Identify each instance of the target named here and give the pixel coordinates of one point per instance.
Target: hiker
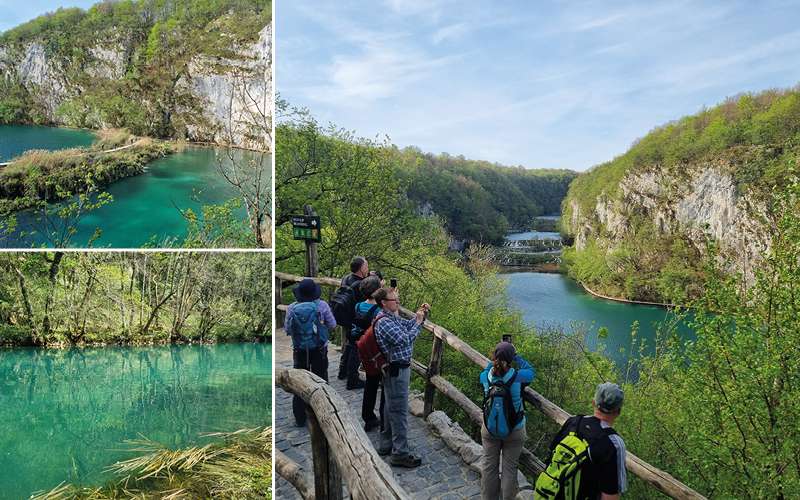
(395, 337)
(602, 471)
(348, 363)
(499, 370)
(308, 321)
(366, 312)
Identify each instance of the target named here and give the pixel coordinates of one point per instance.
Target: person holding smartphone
(395, 337)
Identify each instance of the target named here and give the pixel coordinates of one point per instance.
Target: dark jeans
(349, 363)
(370, 396)
(317, 363)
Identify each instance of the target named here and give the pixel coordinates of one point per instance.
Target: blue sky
(16, 12)
(544, 84)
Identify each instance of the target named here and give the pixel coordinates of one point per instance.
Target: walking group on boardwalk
(587, 459)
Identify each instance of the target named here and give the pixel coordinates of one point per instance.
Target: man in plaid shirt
(395, 337)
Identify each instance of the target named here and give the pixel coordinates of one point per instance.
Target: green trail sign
(307, 227)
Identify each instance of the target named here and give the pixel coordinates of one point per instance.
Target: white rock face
(701, 200)
(107, 63)
(235, 95)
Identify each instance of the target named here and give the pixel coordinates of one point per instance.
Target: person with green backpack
(308, 321)
(503, 428)
(587, 455)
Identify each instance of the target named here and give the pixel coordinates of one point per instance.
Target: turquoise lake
(555, 300)
(146, 206)
(79, 405)
(16, 139)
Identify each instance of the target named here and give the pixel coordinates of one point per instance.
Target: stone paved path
(443, 474)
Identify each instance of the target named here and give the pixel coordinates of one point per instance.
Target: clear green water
(57, 406)
(16, 139)
(554, 299)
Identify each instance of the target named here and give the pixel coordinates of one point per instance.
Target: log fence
(652, 476)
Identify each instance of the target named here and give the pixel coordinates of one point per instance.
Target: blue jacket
(524, 376)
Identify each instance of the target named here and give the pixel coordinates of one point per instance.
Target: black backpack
(343, 305)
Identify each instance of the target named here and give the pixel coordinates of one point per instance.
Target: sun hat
(609, 397)
(505, 351)
(307, 290)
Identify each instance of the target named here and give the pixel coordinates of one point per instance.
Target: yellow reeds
(112, 138)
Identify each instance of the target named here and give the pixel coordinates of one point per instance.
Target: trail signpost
(306, 227)
(309, 228)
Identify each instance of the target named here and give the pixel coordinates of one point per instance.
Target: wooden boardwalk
(444, 473)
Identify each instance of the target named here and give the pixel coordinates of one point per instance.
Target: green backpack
(562, 478)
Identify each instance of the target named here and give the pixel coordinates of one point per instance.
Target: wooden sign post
(308, 227)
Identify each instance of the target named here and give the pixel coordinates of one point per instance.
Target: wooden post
(312, 258)
(327, 478)
(277, 292)
(433, 369)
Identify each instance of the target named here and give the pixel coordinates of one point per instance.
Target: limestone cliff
(225, 99)
(657, 206)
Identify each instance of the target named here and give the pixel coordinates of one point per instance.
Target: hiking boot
(360, 384)
(383, 453)
(375, 423)
(341, 376)
(409, 462)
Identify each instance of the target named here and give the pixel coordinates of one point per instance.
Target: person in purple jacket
(492, 484)
(314, 360)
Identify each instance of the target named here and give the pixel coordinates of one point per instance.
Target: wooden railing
(653, 476)
(336, 438)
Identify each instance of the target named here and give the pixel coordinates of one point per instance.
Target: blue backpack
(499, 415)
(306, 327)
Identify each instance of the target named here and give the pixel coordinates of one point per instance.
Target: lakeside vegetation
(112, 298)
(38, 175)
(754, 137)
(719, 414)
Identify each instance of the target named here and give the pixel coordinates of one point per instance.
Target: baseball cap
(609, 397)
(505, 351)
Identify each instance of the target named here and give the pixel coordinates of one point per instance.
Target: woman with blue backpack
(308, 321)
(503, 426)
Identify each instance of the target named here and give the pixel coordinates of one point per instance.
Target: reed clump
(237, 467)
(112, 138)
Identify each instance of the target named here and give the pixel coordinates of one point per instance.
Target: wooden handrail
(366, 475)
(651, 475)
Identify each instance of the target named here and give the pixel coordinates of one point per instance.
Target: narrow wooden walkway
(444, 473)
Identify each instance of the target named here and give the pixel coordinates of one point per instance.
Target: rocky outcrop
(237, 93)
(233, 94)
(694, 201)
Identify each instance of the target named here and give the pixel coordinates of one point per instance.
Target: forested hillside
(72, 298)
(162, 68)
(478, 200)
(723, 423)
(643, 220)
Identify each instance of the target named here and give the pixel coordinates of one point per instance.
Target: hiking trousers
(492, 483)
(316, 363)
(394, 435)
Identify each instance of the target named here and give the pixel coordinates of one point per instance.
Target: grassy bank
(40, 174)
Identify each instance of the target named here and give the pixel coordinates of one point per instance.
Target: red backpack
(369, 353)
